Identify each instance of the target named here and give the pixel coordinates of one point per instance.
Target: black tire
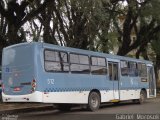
(135, 101)
(143, 97)
(64, 107)
(94, 101)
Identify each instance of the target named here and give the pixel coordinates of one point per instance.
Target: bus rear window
(15, 56)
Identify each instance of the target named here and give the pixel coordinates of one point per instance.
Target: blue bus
(45, 73)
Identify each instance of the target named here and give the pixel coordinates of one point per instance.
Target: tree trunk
(13, 37)
(157, 70)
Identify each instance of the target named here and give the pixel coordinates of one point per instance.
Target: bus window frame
(106, 65)
(79, 63)
(134, 70)
(54, 50)
(121, 68)
(143, 78)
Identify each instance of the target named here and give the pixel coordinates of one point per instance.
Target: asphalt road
(127, 110)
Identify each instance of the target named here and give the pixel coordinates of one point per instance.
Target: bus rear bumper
(34, 97)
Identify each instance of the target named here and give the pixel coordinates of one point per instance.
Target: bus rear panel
(18, 76)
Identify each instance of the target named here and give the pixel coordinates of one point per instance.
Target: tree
(156, 49)
(144, 19)
(144, 25)
(13, 17)
(16, 16)
(78, 23)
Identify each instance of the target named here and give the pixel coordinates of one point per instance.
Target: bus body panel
(128, 87)
(65, 85)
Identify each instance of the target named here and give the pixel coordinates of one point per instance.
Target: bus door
(114, 77)
(151, 80)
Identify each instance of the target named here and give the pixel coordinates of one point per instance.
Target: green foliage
(156, 45)
(151, 10)
(86, 24)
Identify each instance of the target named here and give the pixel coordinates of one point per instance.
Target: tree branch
(3, 12)
(34, 13)
(62, 29)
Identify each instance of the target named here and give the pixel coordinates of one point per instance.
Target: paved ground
(106, 112)
(5, 107)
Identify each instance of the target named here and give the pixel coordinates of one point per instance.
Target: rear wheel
(93, 101)
(143, 97)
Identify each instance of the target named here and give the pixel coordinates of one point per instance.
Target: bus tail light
(33, 85)
(17, 89)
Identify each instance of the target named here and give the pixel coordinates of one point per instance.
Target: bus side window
(132, 69)
(110, 70)
(142, 69)
(56, 61)
(124, 68)
(64, 61)
(98, 66)
(115, 71)
(79, 63)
